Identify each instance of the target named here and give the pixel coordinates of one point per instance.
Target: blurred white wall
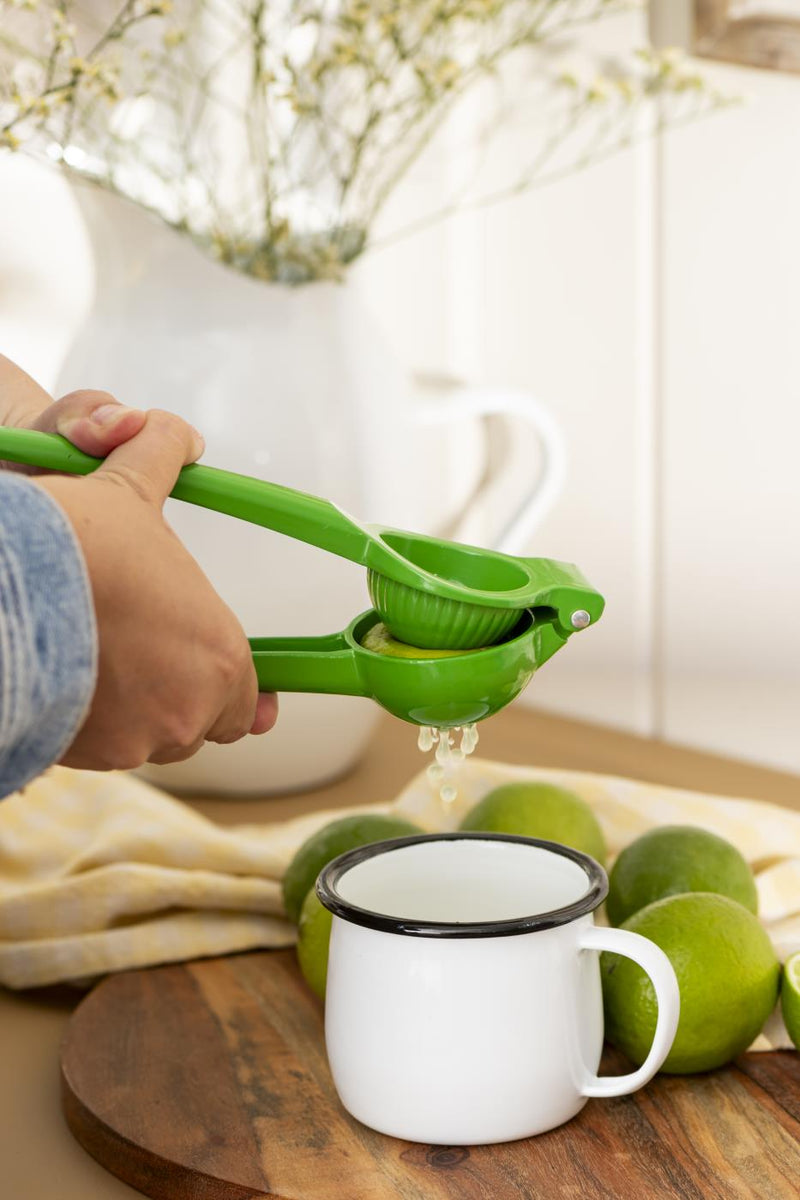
(730, 403)
(554, 291)
(653, 303)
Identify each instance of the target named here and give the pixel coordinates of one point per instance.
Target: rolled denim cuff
(48, 635)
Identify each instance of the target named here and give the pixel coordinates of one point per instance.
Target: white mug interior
(464, 880)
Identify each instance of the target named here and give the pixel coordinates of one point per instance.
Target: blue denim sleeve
(48, 639)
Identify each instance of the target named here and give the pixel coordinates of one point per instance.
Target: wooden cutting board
(209, 1080)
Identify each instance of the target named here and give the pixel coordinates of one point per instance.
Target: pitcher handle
(514, 528)
(652, 959)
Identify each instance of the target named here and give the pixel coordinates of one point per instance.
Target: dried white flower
(273, 131)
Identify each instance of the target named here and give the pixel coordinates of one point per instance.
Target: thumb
(150, 462)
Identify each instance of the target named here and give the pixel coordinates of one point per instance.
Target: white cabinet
(730, 396)
(654, 302)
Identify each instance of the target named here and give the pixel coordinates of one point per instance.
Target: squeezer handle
(306, 664)
(556, 585)
(297, 514)
(329, 663)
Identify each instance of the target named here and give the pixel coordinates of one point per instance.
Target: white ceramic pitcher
(293, 385)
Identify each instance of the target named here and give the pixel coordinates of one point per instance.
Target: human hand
(175, 667)
(93, 421)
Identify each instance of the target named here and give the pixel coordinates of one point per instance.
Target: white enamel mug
(463, 1003)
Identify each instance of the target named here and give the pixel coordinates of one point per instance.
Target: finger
(93, 421)
(238, 715)
(151, 461)
(266, 713)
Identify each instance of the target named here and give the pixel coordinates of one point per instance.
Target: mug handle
(654, 961)
(515, 528)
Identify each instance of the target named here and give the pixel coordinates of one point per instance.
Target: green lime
(676, 859)
(790, 997)
(327, 843)
(313, 937)
(539, 810)
(727, 973)
(379, 640)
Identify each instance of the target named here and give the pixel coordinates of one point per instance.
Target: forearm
(48, 643)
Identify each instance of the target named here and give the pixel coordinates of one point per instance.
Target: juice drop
(443, 748)
(451, 750)
(426, 738)
(469, 738)
(435, 773)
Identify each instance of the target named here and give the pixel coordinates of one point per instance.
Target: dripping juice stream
(448, 757)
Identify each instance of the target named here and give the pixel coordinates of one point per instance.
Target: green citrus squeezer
(430, 594)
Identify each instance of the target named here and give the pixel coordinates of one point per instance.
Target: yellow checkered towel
(102, 873)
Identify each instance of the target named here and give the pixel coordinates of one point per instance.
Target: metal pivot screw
(580, 619)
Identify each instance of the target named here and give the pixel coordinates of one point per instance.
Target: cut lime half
(790, 997)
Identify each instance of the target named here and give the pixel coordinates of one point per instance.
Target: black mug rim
(332, 873)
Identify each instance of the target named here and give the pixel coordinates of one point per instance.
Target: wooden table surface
(40, 1161)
